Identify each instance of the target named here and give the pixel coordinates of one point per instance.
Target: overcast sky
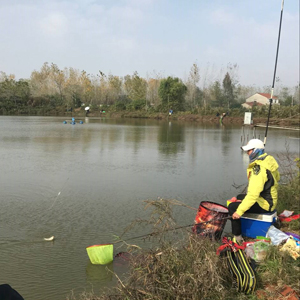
(151, 36)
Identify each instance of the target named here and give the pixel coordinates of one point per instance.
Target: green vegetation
(55, 91)
(172, 91)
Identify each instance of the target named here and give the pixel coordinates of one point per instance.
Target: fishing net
(214, 213)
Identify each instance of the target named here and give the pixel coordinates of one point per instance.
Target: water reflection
(98, 273)
(225, 138)
(102, 276)
(171, 137)
(135, 136)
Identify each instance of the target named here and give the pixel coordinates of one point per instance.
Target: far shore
(292, 123)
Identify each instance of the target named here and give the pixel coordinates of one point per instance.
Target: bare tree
(193, 80)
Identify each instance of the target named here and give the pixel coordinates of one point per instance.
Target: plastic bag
(260, 250)
(286, 213)
(276, 235)
(249, 250)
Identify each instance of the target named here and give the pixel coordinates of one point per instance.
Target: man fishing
(263, 177)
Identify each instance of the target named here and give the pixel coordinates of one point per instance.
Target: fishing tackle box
(254, 225)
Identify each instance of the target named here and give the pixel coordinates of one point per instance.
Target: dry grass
(172, 273)
(188, 267)
(195, 272)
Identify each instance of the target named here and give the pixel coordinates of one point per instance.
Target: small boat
(51, 238)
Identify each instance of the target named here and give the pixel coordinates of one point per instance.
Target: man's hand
(236, 216)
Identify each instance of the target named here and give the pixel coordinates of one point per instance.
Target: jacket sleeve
(257, 181)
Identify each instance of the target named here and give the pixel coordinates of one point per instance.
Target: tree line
(52, 88)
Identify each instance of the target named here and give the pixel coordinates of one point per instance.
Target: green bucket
(100, 254)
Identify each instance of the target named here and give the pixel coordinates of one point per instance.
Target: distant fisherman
(263, 176)
(222, 117)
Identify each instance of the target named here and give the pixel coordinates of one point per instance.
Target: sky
(152, 37)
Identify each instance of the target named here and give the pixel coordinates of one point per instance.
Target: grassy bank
(185, 266)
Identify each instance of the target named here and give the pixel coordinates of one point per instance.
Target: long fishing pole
(171, 229)
(274, 76)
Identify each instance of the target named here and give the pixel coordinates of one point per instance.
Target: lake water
(85, 183)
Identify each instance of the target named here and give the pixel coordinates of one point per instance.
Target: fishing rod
(171, 229)
(274, 76)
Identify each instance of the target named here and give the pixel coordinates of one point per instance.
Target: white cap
(254, 144)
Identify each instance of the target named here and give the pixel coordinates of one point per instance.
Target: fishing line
(58, 195)
(41, 216)
(274, 76)
(51, 238)
(45, 212)
(170, 229)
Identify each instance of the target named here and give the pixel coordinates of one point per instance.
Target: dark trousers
(236, 227)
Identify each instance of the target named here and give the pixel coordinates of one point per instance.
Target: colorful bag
(210, 220)
(238, 265)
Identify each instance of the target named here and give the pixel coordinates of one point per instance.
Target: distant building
(259, 99)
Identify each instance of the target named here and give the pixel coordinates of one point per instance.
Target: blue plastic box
(254, 225)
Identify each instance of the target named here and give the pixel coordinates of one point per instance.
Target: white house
(259, 99)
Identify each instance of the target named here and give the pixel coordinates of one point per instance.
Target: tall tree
(103, 89)
(216, 93)
(285, 97)
(13, 92)
(172, 91)
(296, 95)
(228, 90)
(73, 88)
(152, 91)
(87, 88)
(59, 80)
(192, 88)
(114, 88)
(135, 86)
(40, 81)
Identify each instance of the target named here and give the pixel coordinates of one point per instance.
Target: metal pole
(274, 76)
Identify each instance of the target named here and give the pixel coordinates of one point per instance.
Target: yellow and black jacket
(263, 176)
